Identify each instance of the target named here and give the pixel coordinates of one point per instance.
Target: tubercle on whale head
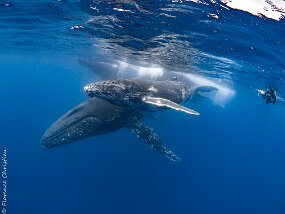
(92, 90)
(109, 88)
(96, 89)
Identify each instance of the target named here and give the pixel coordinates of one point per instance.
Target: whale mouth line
(61, 132)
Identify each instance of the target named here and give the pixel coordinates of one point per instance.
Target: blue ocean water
(232, 156)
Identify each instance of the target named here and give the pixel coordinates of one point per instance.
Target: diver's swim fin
(161, 102)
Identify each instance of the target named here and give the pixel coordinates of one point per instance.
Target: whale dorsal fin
(210, 93)
(147, 135)
(161, 102)
(202, 89)
(173, 79)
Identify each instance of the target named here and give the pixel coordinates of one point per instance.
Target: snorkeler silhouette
(269, 95)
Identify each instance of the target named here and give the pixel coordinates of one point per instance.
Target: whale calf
(146, 95)
(95, 117)
(108, 68)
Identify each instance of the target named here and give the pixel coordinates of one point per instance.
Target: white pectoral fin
(161, 102)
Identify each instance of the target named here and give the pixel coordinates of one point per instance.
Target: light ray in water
(150, 71)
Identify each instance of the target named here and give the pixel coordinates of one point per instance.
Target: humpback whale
(146, 95)
(109, 68)
(95, 117)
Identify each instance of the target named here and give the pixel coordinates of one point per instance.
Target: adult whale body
(145, 95)
(95, 117)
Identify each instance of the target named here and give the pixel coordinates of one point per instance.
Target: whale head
(118, 92)
(90, 118)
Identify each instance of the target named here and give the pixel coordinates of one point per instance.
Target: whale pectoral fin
(147, 134)
(161, 102)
